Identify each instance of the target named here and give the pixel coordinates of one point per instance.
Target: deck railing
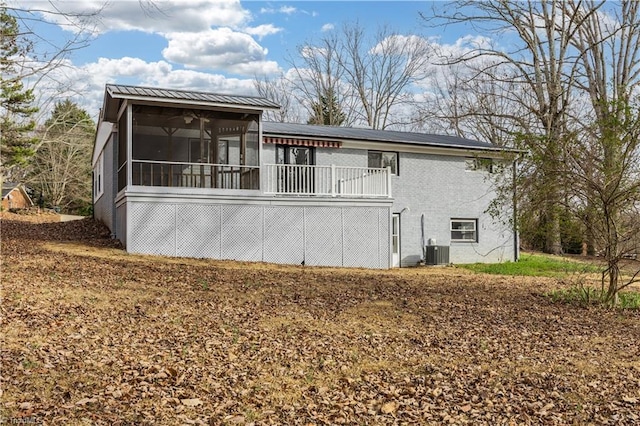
(277, 179)
(194, 175)
(334, 181)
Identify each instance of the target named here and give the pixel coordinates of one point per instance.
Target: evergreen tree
(327, 111)
(68, 116)
(16, 103)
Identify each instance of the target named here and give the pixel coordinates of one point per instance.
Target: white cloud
(401, 44)
(107, 70)
(262, 30)
(161, 74)
(158, 16)
(327, 27)
(311, 51)
(221, 49)
(474, 42)
(85, 85)
(185, 24)
(287, 10)
(194, 80)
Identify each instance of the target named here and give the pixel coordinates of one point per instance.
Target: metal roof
(115, 93)
(370, 135)
(122, 91)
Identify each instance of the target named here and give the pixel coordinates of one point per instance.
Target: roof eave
(426, 146)
(191, 102)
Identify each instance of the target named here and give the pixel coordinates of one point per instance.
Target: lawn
(92, 335)
(537, 265)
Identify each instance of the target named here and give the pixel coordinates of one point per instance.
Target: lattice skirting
(355, 236)
(121, 223)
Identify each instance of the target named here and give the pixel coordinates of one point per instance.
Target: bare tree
(278, 90)
(381, 73)
(462, 103)
(370, 79)
(47, 55)
(319, 76)
(606, 159)
(61, 168)
(544, 62)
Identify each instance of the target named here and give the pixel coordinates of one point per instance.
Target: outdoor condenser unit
(437, 255)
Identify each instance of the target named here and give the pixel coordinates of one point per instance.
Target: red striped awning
(302, 142)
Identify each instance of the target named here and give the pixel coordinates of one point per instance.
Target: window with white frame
(382, 159)
(98, 178)
(464, 230)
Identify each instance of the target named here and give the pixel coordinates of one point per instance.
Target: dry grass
(92, 335)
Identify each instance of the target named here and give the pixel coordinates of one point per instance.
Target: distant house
(192, 174)
(14, 196)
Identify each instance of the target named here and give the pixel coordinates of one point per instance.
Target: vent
(437, 255)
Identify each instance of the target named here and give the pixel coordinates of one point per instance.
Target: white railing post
(330, 180)
(333, 180)
(388, 181)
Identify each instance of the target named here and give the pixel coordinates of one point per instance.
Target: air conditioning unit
(437, 255)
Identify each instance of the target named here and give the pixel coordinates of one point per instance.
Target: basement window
(464, 230)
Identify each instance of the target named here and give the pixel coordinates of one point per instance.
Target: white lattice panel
(121, 224)
(284, 235)
(360, 237)
(384, 216)
(323, 236)
(241, 232)
(198, 231)
(152, 228)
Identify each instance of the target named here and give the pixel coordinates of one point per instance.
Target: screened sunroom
(188, 148)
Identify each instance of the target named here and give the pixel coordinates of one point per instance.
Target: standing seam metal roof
(123, 91)
(303, 130)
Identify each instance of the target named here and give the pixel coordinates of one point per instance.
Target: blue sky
(296, 22)
(216, 46)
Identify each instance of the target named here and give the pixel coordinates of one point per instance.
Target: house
(192, 174)
(14, 196)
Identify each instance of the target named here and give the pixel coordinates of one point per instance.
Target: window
(480, 164)
(98, 178)
(465, 230)
(382, 159)
(298, 155)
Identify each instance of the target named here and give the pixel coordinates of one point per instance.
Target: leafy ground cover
(92, 335)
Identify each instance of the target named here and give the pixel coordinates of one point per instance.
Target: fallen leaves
(85, 401)
(389, 407)
(94, 335)
(191, 402)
